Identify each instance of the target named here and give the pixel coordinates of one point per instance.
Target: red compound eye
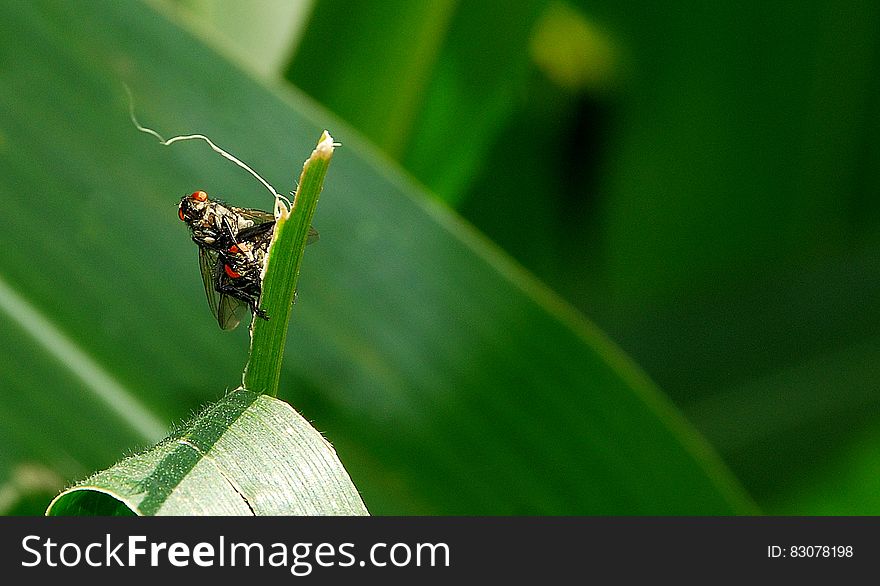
(199, 196)
(180, 214)
(234, 249)
(232, 274)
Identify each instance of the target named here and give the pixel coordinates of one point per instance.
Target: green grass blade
(263, 369)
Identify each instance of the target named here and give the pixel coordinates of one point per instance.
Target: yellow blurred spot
(27, 478)
(572, 51)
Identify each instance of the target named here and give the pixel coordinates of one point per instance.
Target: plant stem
(263, 370)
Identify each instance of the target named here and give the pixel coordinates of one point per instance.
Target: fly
(233, 246)
(233, 242)
(232, 278)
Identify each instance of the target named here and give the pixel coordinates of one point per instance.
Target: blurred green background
(698, 179)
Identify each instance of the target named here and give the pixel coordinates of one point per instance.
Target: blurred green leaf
(53, 398)
(716, 213)
(734, 222)
(247, 454)
(259, 33)
(447, 378)
(419, 78)
(811, 399)
(741, 156)
(846, 483)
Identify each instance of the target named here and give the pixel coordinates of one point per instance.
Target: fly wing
(208, 267)
(254, 215)
(313, 235)
(227, 310)
(230, 312)
(261, 217)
